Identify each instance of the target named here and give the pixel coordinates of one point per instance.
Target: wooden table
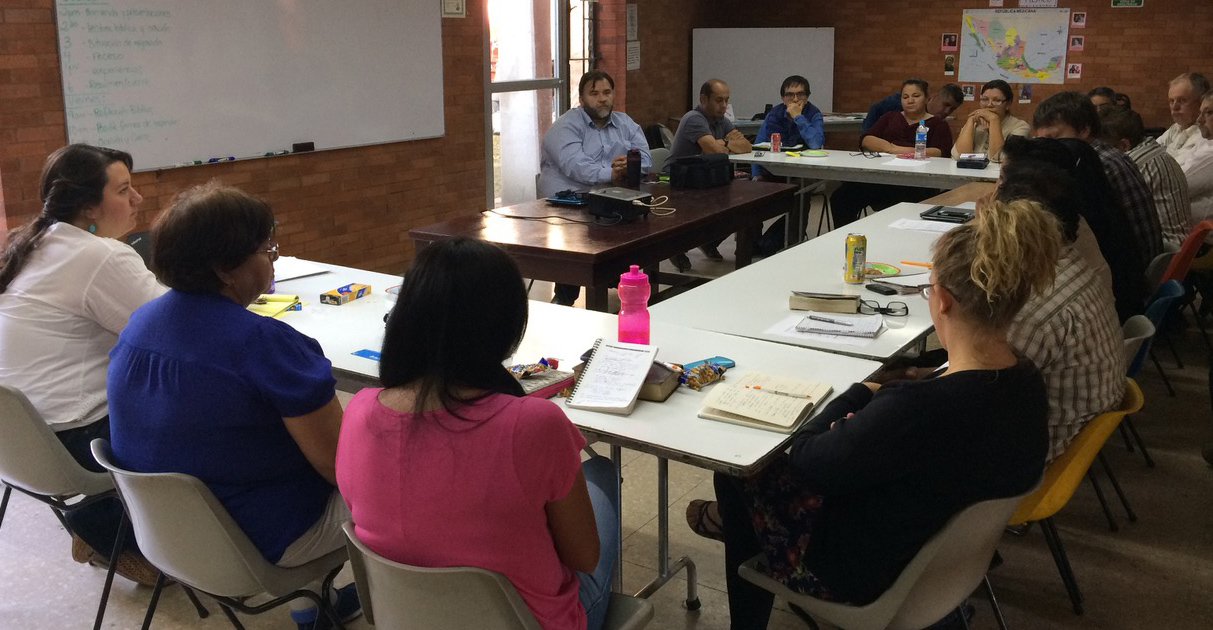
(564, 245)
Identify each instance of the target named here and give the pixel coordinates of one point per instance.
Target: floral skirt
(782, 512)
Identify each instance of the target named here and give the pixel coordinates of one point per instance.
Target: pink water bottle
(634, 306)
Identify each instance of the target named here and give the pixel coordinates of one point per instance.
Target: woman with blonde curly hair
(884, 466)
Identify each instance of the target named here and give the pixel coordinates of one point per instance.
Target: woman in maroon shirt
(893, 133)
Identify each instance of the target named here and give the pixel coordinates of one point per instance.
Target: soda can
(857, 258)
(776, 142)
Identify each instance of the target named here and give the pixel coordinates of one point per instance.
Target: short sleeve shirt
(199, 385)
(693, 126)
(440, 490)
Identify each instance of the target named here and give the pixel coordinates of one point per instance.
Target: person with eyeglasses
(68, 285)
(200, 385)
(883, 467)
(994, 113)
(798, 122)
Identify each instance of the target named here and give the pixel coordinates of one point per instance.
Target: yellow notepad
(764, 401)
(273, 304)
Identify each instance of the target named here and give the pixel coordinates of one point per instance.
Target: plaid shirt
(1070, 333)
(1131, 187)
(1170, 188)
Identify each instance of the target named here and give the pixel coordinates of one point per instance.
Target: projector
(617, 204)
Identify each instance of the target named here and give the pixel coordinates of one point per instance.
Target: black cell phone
(881, 289)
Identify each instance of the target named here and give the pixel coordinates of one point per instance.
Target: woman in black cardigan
(881, 469)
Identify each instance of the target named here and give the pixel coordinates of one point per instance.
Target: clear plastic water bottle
(920, 141)
(634, 306)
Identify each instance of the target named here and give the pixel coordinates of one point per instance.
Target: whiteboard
(175, 81)
(755, 61)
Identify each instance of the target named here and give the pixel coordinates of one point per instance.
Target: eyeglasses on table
(894, 309)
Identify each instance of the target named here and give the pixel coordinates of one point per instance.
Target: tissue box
(347, 293)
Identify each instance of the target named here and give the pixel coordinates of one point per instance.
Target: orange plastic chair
(1062, 478)
(1182, 263)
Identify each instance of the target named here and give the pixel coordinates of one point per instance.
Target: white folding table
(749, 301)
(669, 430)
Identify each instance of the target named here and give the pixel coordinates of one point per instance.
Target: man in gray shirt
(705, 130)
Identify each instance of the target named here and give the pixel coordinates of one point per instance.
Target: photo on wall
(1078, 19)
(1025, 93)
(1076, 43)
(969, 90)
(949, 42)
(1074, 71)
(949, 65)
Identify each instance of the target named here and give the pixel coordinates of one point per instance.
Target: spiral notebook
(612, 377)
(764, 401)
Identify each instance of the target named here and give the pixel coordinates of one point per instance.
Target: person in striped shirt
(1123, 129)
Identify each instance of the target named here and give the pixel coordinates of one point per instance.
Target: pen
(221, 159)
(777, 392)
(818, 318)
(917, 264)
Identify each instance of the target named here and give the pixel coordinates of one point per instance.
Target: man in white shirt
(1197, 164)
(1183, 97)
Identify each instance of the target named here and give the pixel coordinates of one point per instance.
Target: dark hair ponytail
(73, 179)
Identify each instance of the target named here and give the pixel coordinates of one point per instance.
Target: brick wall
(879, 43)
(351, 206)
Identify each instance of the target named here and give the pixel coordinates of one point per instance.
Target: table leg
(596, 299)
(744, 254)
(795, 224)
(617, 578)
(665, 570)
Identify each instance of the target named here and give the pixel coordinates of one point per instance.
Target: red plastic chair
(1178, 269)
(1182, 262)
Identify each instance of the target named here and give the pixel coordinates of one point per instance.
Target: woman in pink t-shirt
(450, 465)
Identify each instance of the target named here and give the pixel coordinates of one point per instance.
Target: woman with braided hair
(67, 288)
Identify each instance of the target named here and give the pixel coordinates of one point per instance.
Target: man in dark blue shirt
(796, 120)
(942, 104)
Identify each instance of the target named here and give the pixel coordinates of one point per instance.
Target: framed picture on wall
(969, 90)
(949, 65)
(949, 42)
(1025, 93)
(1078, 19)
(1074, 71)
(1076, 42)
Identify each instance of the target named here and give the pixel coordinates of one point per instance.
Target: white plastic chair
(184, 531)
(939, 578)
(35, 462)
(1138, 331)
(398, 596)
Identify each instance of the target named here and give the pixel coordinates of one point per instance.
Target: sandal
(704, 519)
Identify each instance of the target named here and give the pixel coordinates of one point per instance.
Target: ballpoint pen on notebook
(776, 392)
(818, 318)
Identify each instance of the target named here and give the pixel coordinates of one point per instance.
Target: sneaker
(681, 262)
(81, 552)
(348, 609)
(711, 253)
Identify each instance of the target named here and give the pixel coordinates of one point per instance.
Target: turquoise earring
(92, 228)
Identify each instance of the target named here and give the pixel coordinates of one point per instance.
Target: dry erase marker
(221, 159)
(776, 392)
(190, 163)
(818, 318)
(273, 153)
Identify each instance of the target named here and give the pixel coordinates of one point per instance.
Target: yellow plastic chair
(1063, 476)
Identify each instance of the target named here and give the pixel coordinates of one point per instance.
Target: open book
(612, 377)
(764, 401)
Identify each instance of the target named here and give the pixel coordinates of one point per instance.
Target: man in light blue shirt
(587, 148)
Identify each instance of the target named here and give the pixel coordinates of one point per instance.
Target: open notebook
(764, 401)
(612, 377)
